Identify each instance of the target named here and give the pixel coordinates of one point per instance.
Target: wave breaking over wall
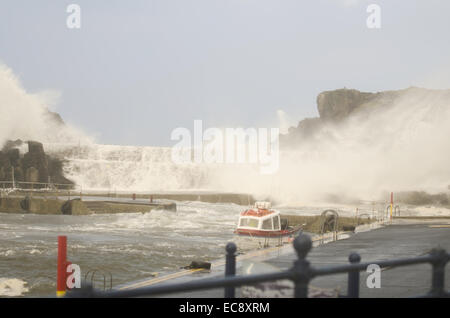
(367, 143)
(361, 145)
(26, 116)
(111, 167)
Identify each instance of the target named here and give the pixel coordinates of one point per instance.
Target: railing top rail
(207, 283)
(44, 183)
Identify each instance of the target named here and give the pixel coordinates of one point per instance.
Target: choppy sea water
(129, 246)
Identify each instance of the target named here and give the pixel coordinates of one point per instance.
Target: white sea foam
(425, 211)
(35, 251)
(12, 287)
(7, 253)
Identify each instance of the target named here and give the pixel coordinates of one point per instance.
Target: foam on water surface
(12, 287)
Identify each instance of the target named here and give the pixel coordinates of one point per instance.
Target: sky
(136, 70)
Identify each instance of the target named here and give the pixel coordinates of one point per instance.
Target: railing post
(301, 269)
(438, 274)
(230, 268)
(353, 277)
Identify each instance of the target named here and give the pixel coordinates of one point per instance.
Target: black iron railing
(300, 274)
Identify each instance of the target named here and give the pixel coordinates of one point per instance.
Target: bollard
(62, 266)
(151, 199)
(353, 277)
(230, 268)
(438, 274)
(301, 269)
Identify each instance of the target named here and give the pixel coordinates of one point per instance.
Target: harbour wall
(55, 206)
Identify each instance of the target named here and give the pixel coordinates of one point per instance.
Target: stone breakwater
(55, 206)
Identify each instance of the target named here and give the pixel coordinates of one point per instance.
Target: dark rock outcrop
(54, 117)
(339, 104)
(33, 166)
(37, 159)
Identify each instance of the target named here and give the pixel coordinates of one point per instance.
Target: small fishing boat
(265, 225)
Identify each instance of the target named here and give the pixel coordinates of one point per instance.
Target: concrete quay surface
(390, 242)
(399, 240)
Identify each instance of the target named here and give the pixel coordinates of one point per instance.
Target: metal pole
(13, 181)
(230, 268)
(392, 206)
(353, 277)
(62, 265)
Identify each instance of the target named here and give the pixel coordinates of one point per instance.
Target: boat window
(267, 224)
(276, 223)
(249, 222)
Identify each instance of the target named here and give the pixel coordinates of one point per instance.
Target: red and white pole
(62, 266)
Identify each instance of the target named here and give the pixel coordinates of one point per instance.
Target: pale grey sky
(138, 69)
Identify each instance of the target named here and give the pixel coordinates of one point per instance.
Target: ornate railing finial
(302, 245)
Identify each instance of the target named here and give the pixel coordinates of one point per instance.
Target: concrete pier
(65, 206)
(202, 196)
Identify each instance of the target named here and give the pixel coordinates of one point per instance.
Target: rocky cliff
(337, 106)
